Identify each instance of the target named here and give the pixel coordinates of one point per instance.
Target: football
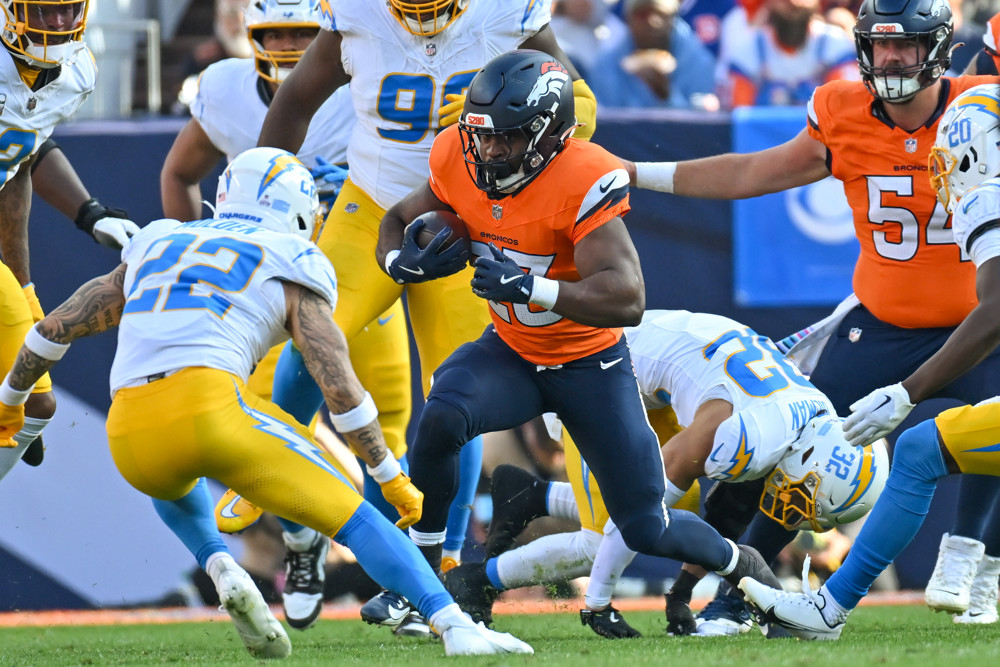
(435, 221)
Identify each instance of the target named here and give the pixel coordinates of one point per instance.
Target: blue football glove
(501, 279)
(329, 180)
(413, 265)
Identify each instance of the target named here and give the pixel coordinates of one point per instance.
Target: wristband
(386, 471)
(43, 347)
(11, 396)
(355, 418)
(544, 292)
(390, 257)
(655, 175)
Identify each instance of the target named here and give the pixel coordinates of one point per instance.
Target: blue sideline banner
(790, 248)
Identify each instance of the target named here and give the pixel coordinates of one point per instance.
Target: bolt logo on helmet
(927, 23)
(427, 18)
(271, 188)
(44, 33)
(523, 96)
(825, 481)
(966, 151)
(261, 15)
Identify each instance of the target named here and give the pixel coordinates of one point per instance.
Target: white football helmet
(263, 14)
(44, 33)
(826, 481)
(966, 152)
(429, 17)
(271, 188)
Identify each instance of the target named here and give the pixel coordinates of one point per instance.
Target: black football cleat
(515, 505)
(34, 453)
(680, 618)
(472, 590)
(608, 623)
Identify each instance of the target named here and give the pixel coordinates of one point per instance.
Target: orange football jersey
(582, 188)
(910, 273)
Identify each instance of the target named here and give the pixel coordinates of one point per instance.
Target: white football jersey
(229, 107)
(980, 206)
(27, 117)
(399, 80)
(208, 293)
(683, 359)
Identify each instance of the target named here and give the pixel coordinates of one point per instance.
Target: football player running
(965, 170)
(747, 413)
(912, 285)
(197, 305)
(227, 114)
(561, 277)
(408, 63)
(47, 73)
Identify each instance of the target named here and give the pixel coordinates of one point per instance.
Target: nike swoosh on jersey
(605, 188)
(605, 365)
(508, 279)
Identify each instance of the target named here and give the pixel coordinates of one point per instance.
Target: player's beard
(791, 29)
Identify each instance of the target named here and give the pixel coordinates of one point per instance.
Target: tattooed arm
(95, 307)
(324, 349)
(15, 203)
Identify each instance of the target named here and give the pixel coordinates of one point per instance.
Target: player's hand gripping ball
(435, 244)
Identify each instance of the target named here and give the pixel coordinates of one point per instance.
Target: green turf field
(897, 635)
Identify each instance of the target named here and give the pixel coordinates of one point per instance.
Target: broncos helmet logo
(551, 81)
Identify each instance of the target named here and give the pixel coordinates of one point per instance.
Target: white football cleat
(949, 588)
(983, 599)
(480, 640)
(799, 613)
(260, 631)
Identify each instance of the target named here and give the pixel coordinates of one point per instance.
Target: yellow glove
(586, 110)
(37, 314)
(451, 112)
(408, 500)
(11, 421)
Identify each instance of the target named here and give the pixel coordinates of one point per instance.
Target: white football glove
(114, 232)
(877, 414)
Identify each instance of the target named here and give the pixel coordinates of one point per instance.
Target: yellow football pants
(202, 422)
(15, 322)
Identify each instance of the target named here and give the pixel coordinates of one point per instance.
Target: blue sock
(392, 560)
(192, 520)
(294, 389)
(494, 574)
(372, 492)
(296, 393)
(917, 465)
(470, 467)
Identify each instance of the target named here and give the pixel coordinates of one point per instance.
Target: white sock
(455, 554)
(734, 559)
(673, 494)
(427, 539)
(833, 612)
(300, 540)
(549, 558)
(9, 456)
(611, 560)
(560, 501)
(449, 617)
(218, 562)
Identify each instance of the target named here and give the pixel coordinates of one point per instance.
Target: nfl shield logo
(351, 208)
(430, 50)
(855, 335)
(910, 145)
(32, 102)
(497, 211)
